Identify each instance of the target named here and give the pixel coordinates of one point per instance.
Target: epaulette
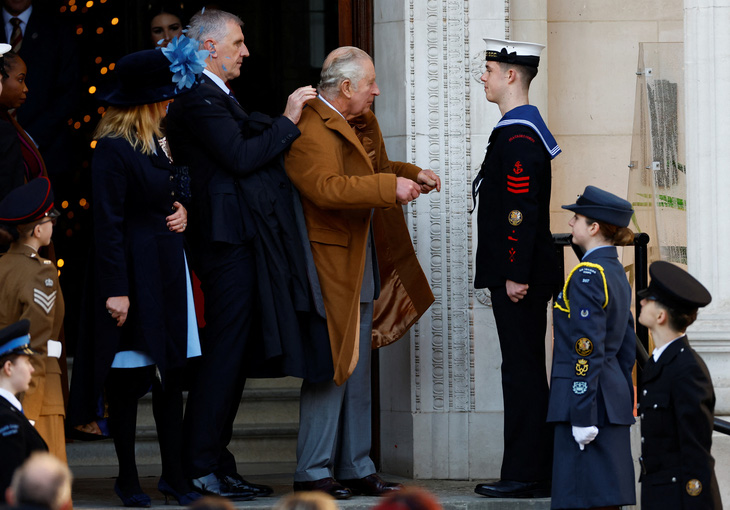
(583, 267)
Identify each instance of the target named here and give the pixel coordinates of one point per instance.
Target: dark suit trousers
(528, 439)
(228, 279)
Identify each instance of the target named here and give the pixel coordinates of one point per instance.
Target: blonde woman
(144, 326)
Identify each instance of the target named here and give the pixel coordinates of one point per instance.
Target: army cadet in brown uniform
(30, 290)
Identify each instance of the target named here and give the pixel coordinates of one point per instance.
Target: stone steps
(264, 433)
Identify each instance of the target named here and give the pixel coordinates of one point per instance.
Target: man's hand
(118, 307)
(296, 101)
(516, 291)
(428, 181)
(406, 190)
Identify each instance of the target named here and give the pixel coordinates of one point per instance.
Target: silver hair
(342, 64)
(211, 24)
(43, 481)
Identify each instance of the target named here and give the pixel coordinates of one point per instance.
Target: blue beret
(601, 205)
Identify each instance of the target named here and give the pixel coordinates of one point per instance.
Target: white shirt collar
(659, 350)
(217, 80)
(11, 398)
(328, 104)
(23, 16)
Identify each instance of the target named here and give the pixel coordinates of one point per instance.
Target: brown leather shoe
(371, 485)
(328, 485)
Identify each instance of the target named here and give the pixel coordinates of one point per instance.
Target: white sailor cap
(4, 48)
(514, 52)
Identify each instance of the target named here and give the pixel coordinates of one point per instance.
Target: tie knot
(15, 22)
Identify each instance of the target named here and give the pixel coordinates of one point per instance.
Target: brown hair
(618, 236)
(679, 320)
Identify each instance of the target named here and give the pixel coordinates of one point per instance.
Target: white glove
(584, 435)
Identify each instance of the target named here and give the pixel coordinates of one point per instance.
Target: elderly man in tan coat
(372, 284)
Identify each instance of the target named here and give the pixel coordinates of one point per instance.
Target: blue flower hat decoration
(186, 61)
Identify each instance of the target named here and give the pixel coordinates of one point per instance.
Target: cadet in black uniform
(591, 391)
(516, 261)
(677, 401)
(18, 438)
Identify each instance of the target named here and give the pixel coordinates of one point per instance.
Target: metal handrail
(641, 281)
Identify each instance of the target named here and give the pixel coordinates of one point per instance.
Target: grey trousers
(334, 421)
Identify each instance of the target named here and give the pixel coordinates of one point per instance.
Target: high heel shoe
(182, 499)
(140, 500)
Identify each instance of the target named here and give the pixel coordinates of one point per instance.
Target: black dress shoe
(212, 485)
(239, 482)
(371, 485)
(514, 489)
(328, 485)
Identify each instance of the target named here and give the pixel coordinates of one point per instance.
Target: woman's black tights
(124, 388)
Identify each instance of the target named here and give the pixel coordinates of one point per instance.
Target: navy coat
(18, 439)
(515, 242)
(677, 408)
(241, 195)
(595, 346)
(135, 255)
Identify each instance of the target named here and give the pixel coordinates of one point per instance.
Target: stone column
(707, 101)
(441, 396)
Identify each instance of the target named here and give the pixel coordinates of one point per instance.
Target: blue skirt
(600, 475)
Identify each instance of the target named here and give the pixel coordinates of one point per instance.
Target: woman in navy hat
(143, 326)
(18, 438)
(30, 290)
(677, 403)
(591, 391)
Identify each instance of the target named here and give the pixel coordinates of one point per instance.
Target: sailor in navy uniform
(18, 438)
(677, 401)
(517, 262)
(591, 390)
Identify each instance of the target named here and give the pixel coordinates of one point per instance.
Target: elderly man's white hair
(41, 481)
(344, 63)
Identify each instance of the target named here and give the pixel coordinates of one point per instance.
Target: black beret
(676, 288)
(28, 203)
(15, 339)
(601, 205)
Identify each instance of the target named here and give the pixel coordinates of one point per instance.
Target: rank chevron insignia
(45, 301)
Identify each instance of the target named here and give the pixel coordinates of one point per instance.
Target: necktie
(16, 36)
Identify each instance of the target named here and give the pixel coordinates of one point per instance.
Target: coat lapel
(336, 122)
(653, 369)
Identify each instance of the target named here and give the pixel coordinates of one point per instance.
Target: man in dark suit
(516, 261)
(48, 50)
(677, 401)
(210, 132)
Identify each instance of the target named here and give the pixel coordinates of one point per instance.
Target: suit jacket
(30, 290)
(49, 51)
(18, 439)
(677, 406)
(134, 255)
(515, 242)
(241, 195)
(342, 174)
(595, 345)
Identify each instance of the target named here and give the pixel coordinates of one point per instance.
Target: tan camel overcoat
(342, 172)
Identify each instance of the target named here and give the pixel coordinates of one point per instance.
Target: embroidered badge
(45, 301)
(585, 313)
(694, 487)
(587, 270)
(48, 282)
(515, 218)
(9, 430)
(518, 168)
(581, 368)
(580, 387)
(584, 347)
(518, 184)
(512, 253)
